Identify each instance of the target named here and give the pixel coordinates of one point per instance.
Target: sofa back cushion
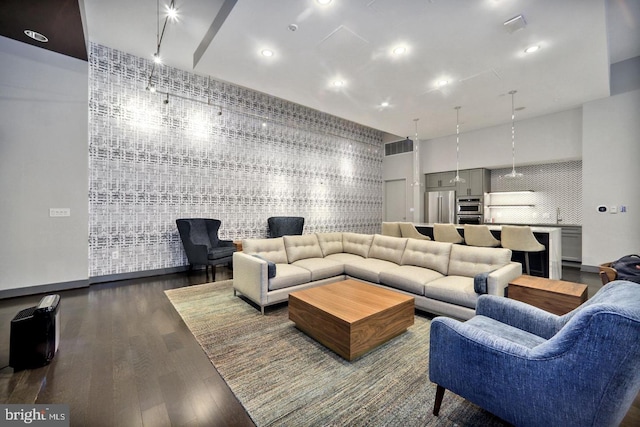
(357, 244)
(472, 260)
(270, 249)
(330, 243)
(428, 254)
(387, 248)
(302, 247)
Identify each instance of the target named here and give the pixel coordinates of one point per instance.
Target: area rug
(284, 378)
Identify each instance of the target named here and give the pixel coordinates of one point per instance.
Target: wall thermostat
(602, 208)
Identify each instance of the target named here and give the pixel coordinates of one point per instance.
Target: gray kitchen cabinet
(572, 243)
(440, 180)
(477, 182)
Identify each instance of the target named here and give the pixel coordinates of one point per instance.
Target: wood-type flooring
(127, 359)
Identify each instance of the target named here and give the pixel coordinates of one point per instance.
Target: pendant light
(416, 157)
(513, 174)
(457, 178)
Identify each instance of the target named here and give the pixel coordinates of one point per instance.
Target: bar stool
(479, 235)
(407, 229)
(446, 233)
(391, 229)
(518, 238)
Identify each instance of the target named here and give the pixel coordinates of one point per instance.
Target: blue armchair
(533, 368)
(285, 225)
(202, 245)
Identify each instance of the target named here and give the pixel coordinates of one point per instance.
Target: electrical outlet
(115, 255)
(59, 212)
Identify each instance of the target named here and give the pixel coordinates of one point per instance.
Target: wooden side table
(238, 245)
(556, 296)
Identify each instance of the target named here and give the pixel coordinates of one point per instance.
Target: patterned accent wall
(555, 186)
(152, 162)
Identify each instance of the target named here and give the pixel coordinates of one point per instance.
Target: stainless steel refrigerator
(440, 207)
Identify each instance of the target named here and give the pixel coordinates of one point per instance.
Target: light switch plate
(59, 212)
(613, 209)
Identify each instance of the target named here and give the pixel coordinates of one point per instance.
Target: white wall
(611, 177)
(43, 164)
(545, 139)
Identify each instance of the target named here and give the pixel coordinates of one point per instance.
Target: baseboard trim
(43, 289)
(136, 274)
(590, 268)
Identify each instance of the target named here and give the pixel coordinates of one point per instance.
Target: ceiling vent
(514, 24)
(398, 147)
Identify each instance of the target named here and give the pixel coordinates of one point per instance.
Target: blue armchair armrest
(519, 315)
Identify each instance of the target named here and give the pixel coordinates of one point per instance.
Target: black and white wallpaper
(155, 157)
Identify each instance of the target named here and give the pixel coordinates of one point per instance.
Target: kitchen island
(550, 237)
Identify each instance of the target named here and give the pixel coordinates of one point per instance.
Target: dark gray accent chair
(285, 226)
(202, 245)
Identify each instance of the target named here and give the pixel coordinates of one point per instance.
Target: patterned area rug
(284, 378)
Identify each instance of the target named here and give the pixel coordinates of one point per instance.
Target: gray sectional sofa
(439, 275)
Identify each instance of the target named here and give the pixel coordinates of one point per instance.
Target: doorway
(395, 200)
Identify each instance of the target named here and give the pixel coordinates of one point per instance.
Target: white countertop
(497, 227)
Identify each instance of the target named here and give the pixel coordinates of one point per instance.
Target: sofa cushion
(269, 249)
(452, 289)
(330, 243)
(387, 248)
(427, 254)
(321, 268)
(470, 260)
(368, 269)
(301, 247)
(344, 258)
(357, 244)
(408, 278)
(289, 275)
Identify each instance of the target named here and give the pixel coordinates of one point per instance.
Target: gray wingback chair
(285, 225)
(533, 368)
(202, 245)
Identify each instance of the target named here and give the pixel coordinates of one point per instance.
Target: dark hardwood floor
(126, 358)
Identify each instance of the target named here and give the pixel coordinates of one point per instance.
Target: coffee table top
(351, 300)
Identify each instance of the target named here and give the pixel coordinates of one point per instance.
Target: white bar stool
(479, 235)
(446, 233)
(521, 238)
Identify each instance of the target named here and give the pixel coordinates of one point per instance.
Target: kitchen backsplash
(557, 195)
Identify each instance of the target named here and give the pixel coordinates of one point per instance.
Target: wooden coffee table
(351, 317)
(556, 296)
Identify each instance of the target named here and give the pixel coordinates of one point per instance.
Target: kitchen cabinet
(572, 243)
(440, 180)
(477, 182)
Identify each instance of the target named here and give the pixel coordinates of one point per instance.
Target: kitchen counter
(549, 235)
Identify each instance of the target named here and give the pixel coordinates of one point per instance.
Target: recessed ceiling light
(384, 104)
(338, 83)
(443, 83)
(532, 49)
(324, 2)
(267, 52)
(36, 36)
(399, 50)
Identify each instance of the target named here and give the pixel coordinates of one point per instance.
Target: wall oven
(469, 210)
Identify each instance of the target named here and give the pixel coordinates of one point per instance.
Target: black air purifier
(35, 333)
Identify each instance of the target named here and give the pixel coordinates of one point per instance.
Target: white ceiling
(462, 41)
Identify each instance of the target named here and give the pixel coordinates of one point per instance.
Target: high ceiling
(461, 41)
